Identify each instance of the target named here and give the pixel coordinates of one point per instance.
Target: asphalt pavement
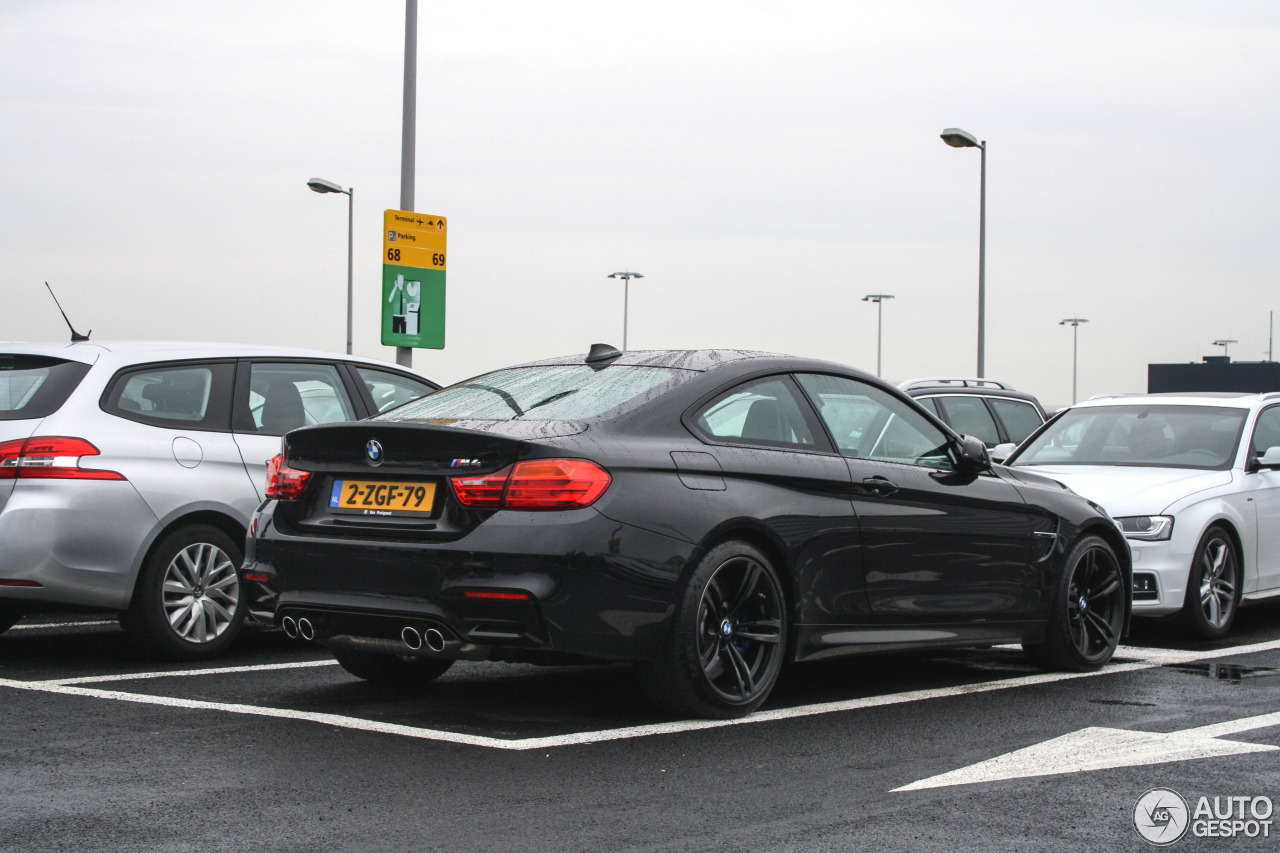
(276, 748)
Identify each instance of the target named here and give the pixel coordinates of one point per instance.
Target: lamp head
(957, 138)
(320, 185)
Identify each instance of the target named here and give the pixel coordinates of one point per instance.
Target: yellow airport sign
(413, 278)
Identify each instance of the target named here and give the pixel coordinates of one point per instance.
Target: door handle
(879, 486)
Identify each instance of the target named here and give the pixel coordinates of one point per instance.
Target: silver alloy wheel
(201, 592)
(1217, 582)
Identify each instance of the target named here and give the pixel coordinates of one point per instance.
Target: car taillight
(481, 491)
(284, 483)
(536, 484)
(54, 457)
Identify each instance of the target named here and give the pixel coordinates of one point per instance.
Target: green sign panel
(413, 273)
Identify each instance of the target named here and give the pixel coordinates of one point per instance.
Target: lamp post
(957, 138)
(1226, 346)
(320, 185)
(626, 294)
(878, 299)
(1074, 323)
(408, 130)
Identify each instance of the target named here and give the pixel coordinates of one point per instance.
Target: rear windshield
(1138, 435)
(548, 393)
(34, 386)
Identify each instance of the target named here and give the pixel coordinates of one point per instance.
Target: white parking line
(1145, 659)
(25, 626)
(179, 673)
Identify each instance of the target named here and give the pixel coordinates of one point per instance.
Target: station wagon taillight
(536, 484)
(285, 483)
(55, 457)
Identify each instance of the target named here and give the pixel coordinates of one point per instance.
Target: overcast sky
(764, 165)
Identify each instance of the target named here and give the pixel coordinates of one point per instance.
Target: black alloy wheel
(1088, 612)
(727, 640)
(391, 669)
(1213, 586)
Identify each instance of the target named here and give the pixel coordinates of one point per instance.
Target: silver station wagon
(129, 472)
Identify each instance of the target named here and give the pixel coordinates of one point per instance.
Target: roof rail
(959, 381)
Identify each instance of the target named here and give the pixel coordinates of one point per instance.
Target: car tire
(188, 603)
(10, 614)
(1087, 613)
(1214, 584)
(391, 669)
(727, 639)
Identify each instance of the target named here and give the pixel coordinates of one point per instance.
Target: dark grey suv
(984, 408)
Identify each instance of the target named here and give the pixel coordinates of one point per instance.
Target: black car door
(938, 545)
(777, 465)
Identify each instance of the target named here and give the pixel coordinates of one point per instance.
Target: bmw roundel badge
(373, 452)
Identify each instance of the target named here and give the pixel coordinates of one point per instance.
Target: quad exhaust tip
(305, 629)
(432, 638)
(290, 626)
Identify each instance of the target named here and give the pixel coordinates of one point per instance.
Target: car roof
(1234, 399)
(954, 382)
(971, 387)
(132, 352)
(704, 360)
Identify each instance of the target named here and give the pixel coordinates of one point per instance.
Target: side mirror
(1270, 459)
(971, 454)
(1001, 452)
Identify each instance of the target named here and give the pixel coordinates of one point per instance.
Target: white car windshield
(1161, 436)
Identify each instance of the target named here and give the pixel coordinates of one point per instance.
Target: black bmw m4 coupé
(709, 515)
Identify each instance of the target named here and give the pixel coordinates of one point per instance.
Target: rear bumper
(573, 582)
(80, 540)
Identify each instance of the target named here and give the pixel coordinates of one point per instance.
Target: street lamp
(626, 292)
(957, 138)
(1074, 323)
(878, 299)
(1226, 346)
(320, 185)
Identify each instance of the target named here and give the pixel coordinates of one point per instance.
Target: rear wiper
(506, 398)
(552, 399)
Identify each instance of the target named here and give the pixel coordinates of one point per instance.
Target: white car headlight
(1151, 528)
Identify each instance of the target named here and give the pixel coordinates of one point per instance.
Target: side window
(175, 395)
(928, 403)
(389, 390)
(1020, 419)
(868, 423)
(286, 396)
(1267, 431)
(969, 416)
(765, 412)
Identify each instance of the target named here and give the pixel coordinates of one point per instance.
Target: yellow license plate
(382, 497)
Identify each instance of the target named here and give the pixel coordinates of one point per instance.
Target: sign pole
(404, 355)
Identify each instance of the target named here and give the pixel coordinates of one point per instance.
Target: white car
(129, 472)
(1194, 482)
